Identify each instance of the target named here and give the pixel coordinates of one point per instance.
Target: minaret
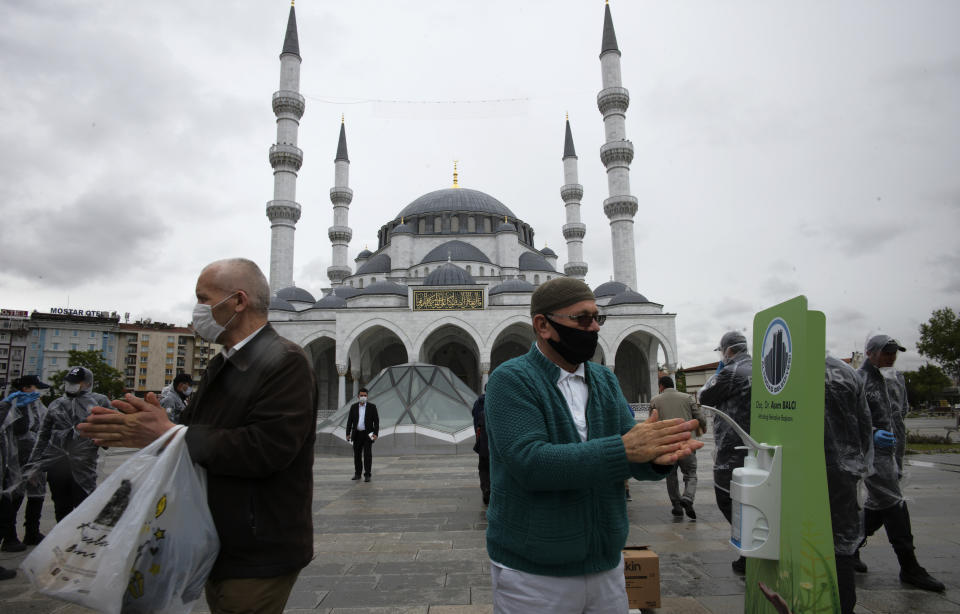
(571, 193)
(616, 155)
(341, 196)
(286, 159)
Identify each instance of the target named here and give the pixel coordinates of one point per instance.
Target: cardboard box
(641, 570)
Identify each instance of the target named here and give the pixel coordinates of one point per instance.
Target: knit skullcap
(559, 293)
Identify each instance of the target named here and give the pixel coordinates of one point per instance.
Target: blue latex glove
(27, 398)
(884, 439)
(720, 366)
(10, 398)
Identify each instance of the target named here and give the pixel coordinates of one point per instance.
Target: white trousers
(518, 592)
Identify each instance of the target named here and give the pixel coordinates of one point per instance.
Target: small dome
(280, 304)
(385, 287)
(454, 250)
(402, 229)
(511, 285)
(346, 292)
(610, 288)
(546, 251)
(627, 297)
(506, 227)
(331, 301)
(449, 275)
(378, 264)
(294, 293)
(533, 261)
(455, 199)
(364, 254)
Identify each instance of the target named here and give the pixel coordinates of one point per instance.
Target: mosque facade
(451, 278)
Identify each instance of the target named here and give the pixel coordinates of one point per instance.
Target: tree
(681, 380)
(926, 384)
(940, 341)
(106, 379)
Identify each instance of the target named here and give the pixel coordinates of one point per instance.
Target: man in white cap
(885, 506)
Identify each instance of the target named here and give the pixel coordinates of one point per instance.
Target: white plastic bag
(143, 541)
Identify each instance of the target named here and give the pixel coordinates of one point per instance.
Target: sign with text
(787, 410)
(447, 300)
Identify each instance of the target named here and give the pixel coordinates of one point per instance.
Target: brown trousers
(249, 595)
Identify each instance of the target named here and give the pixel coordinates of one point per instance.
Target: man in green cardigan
(562, 441)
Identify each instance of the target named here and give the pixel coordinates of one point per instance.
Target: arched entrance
(322, 354)
(634, 368)
(513, 341)
(452, 347)
(374, 350)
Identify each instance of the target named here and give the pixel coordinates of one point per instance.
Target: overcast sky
(781, 148)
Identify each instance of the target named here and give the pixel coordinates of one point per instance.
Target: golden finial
(568, 115)
(455, 174)
(343, 118)
(504, 219)
(401, 219)
(291, 2)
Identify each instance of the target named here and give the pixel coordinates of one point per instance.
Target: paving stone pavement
(412, 542)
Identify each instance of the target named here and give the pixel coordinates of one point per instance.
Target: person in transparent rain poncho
(21, 414)
(729, 391)
(885, 506)
(69, 459)
(848, 454)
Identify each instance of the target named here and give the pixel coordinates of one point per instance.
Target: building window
(168, 372)
(143, 370)
(373, 279)
(36, 332)
(56, 332)
(455, 224)
(33, 345)
(169, 360)
(548, 278)
(487, 226)
(468, 268)
(143, 360)
(423, 226)
(53, 361)
(76, 333)
(56, 346)
(471, 224)
(74, 346)
(437, 225)
(536, 280)
(109, 349)
(142, 382)
(481, 271)
(360, 282)
(145, 336)
(93, 334)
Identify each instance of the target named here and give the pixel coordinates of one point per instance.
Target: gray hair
(233, 274)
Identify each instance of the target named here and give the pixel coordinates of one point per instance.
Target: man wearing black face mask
(562, 440)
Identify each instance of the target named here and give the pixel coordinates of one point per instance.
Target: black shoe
(740, 565)
(688, 508)
(918, 577)
(366, 478)
(677, 510)
(12, 544)
(486, 498)
(32, 539)
(356, 476)
(858, 565)
(7, 574)
(626, 494)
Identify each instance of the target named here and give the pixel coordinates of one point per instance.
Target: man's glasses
(584, 320)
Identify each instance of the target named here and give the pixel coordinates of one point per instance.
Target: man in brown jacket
(672, 403)
(251, 424)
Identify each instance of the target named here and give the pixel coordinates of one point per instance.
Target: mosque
(450, 281)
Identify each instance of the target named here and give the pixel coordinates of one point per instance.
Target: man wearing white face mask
(174, 397)
(251, 424)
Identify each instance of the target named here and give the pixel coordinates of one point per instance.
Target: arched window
(487, 227)
(468, 268)
(373, 279)
(455, 224)
(361, 282)
(536, 280)
(426, 270)
(471, 224)
(481, 271)
(423, 226)
(548, 278)
(438, 224)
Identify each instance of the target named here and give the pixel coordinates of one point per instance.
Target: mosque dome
(280, 304)
(331, 301)
(511, 285)
(346, 292)
(610, 288)
(366, 253)
(294, 293)
(506, 226)
(377, 264)
(456, 199)
(454, 250)
(627, 297)
(533, 261)
(449, 274)
(405, 228)
(546, 251)
(385, 287)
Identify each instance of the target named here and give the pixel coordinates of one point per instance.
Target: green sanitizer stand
(781, 509)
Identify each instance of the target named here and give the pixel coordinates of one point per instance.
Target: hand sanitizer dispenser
(755, 490)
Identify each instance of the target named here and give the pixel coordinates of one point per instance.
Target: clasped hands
(137, 423)
(663, 442)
